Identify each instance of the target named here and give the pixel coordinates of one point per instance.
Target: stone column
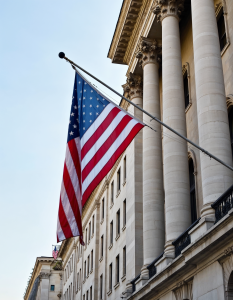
(44, 277)
(153, 194)
(134, 235)
(213, 124)
(176, 176)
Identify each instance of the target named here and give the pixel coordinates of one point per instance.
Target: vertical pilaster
(176, 178)
(213, 124)
(153, 195)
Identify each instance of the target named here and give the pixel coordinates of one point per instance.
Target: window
(87, 295)
(117, 269)
(89, 237)
(93, 224)
(230, 117)
(111, 233)
(52, 288)
(86, 238)
(77, 281)
(221, 30)
(124, 260)
(102, 246)
(186, 89)
(88, 264)
(119, 179)
(80, 279)
(192, 191)
(83, 297)
(124, 163)
(91, 293)
(124, 212)
(112, 192)
(103, 209)
(118, 223)
(101, 287)
(91, 259)
(85, 270)
(110, 277)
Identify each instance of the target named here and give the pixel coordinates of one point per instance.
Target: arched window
(229, 292)
(230, 116)
(192, 191)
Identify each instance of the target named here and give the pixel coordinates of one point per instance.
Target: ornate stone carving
(44, 275)
(165, 8)
(59, 295)
(228, 266)
(149, 51)
(133, 87)
(184, 290)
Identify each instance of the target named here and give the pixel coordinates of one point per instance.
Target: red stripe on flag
(75, 157)
(64, 222)
(111, 162)
(106, 145)
(72, 198)
(99, 131)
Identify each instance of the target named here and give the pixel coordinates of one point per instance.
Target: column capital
(149, 51)
(165, 8)
(133, 87)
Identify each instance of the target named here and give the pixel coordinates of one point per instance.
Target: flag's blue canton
(87, 105)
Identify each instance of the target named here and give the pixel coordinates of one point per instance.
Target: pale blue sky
(35, 98)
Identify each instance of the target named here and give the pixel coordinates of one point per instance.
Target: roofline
(116, 27)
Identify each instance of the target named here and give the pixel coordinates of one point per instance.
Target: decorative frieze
(44, 275)
(227, 266)
(165, 8)
(184, 290)
(133, 87)
(149, 51)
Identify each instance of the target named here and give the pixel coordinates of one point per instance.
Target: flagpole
(62, 55)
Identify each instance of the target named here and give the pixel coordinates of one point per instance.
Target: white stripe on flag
(60, 233)
(68, 211)
(73, 177)
(95, 171)
(91, 130)
(102, 139)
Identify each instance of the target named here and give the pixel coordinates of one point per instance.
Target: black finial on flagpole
(61, 55)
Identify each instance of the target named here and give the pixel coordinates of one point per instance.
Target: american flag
(55, 252)
(99, 132)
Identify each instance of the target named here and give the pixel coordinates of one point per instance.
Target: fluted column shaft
(153, 195)
(176, 178)
(211, 103)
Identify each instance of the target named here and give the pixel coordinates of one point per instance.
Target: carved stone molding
(184, 290)
(149, 51)
(227, 266)
(165, 8)
(44, 275)
(133, 87)
(59, 295)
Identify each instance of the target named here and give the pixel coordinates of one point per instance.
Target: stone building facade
(46, 280)
(160, 225)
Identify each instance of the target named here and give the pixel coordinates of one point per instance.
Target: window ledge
(101, 222)
(118, 193)
(124, 183)
(123, 229)
(109, 292)
(110, 247)
(111, 205)
(116, 285)
(188, 107)
(101, 258)
(117, 237)
(123, 277)
(225, 48)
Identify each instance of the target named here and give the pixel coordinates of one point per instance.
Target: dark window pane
(52, 287)
(230, 116)
(222, 30)
(186, 90)
(192, 192)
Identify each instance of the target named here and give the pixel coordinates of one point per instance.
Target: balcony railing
(152, 268)
(133, 282)
(223, 204)
(183, 240)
